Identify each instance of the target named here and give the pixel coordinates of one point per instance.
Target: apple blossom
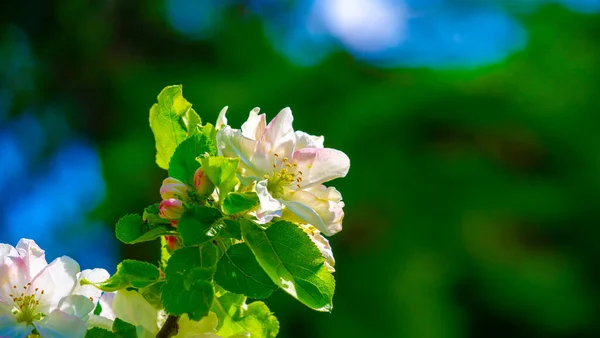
(173, 188)
(288, 169)
(46, 299)
(171, 209)
(202, 183)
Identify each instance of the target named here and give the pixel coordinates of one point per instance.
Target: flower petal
(99, 321)
(269, 207)
(76, 305)
(255, 126)
(320, 207)
(305, 140)
(222, 119)
(57, 280)
(89, 291)
(34, 256)
(190, 328)
(322, 243)
(231, 143)
(320, 165)
(9, 327)
(106, 303)
(7, 250)
(61, 325)
(13, 275)
(278, 137)
(131, 307)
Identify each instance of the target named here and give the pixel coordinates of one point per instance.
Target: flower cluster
(176, 194)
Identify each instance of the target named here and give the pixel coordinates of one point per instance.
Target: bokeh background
(473, 200)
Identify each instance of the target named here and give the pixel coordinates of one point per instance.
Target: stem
(170, 328)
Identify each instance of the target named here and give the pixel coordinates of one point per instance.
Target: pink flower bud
(172, 242)
(171, 209)
(173, 188)
(203, 185)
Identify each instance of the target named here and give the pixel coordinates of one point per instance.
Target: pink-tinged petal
(278, 137)
(269, 207)
(317, 209)
(255, 126)
(57, 280)
(231, 143)
(61, 325)
(171, 208)
(13, 275)
(320, 165)
(304, 140)
(173, 188)
(7, 250)
(89, 291)
(9, 327)
(76, 305)
(222, 119)
(34, 256)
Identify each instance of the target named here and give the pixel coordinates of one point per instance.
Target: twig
(170, 328)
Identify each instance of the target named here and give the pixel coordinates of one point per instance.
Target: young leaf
(292, 261)
(239, 202)
(172, 120)
(221, 171)
(183, 163)
(199, 224)
(235, 317)
(239, 272)
(188, 288)
(132, 229)
(130, 273)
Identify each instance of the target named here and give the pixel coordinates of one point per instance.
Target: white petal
(34, 256)
(106, 303)
(9, 327)
(304, 140)
(13, 275)
(222, 119)
(269, 207)
(57, 280)
(231, 143)
(278, 137)
(89, 291)
(61, 325)
(7, 250)
(317, 209)
(99, 321)
(76, 305)
(255, 126)
(133, 308)
(320, 165)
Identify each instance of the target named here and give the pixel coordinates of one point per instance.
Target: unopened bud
(171, 209)
(172, 242)
(173, 188)
(203, 185)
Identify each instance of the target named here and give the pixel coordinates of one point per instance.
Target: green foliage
(235, 317)
(199, 224)
(183, 163)
(239, 272)
(188, 288)
(172, 120)
(124, 329)
(235, 202)
(131, 229)
(97, 332)
(292, 261)
(152, 294)
(231, 229)
(130, 273)
(221, 171)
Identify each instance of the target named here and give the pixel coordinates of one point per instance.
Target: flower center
(26, 304)
(285, 174)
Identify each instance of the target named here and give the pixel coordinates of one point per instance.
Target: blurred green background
(473, 198)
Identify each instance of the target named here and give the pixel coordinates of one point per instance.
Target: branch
(170, 328)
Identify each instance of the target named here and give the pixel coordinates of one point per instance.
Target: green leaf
(97, 332)
(151, 294)
(199, 224)
(239, 202)
(293, 262)
(235, 317)
(132, 229)
(231, 229)
(172, 120)
(239, 272)
(188, 288)
(130, 273)
(221, 171)
(124, 329)
(150, 215)
(183, 164)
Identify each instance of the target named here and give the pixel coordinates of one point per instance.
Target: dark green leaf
(293, 262)
(199, 224)
(124, 329)
(132, 229)
(239, 272)
(97, 332)
(239, 202)
(151, 293)
(172, 120)
(130, 273)
(231, 229)
(183, 164)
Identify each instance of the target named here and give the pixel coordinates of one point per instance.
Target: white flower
(42, 297)
(289, 169)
